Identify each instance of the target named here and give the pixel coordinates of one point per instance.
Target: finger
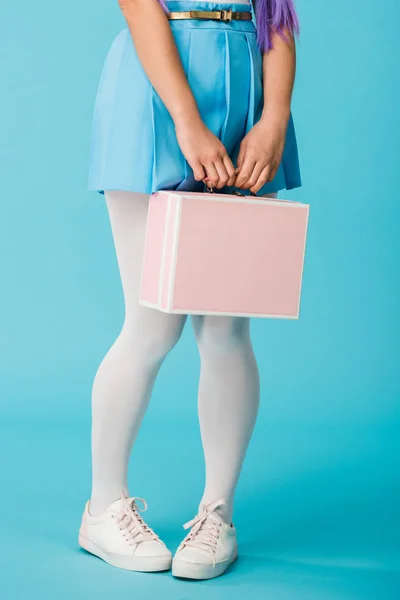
(245, 171)
(262, 180)
(230, 170)
(222, 173)
(207, 182)
(240, 158)
(255, 174)
(198, 171)
(273, 172)
(212, 173)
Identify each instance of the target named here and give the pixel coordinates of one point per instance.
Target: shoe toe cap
(193, 556)
(152, 548)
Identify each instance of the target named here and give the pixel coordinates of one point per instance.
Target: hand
(205, 154)
(261, 153)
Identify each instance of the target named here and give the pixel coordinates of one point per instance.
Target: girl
(191, 92)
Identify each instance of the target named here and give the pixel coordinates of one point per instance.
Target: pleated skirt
(134, 146)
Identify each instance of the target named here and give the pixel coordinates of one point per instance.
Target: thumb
(198, 171)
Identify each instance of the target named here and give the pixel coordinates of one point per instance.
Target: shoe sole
(185, 570)
(130, 563)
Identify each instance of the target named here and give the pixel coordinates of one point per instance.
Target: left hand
(261, 153)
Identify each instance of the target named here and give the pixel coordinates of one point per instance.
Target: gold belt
(213, 15)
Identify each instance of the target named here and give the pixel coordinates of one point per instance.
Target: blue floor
(321, 532)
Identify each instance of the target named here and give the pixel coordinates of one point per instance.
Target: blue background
(318, 503)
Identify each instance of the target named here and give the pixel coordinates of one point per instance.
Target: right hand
(206, 155)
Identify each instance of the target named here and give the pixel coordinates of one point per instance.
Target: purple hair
(271, 16)
(275, 16)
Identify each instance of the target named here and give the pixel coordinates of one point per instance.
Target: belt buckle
(226, 15)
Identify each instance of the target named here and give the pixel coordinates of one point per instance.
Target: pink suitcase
(224, 255)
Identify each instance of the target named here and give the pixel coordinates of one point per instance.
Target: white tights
(229, 383)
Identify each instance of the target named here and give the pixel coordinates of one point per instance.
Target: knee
(151, 345)
(159, 344)
(221, 334)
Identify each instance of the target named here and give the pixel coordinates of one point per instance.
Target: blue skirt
(134, 146)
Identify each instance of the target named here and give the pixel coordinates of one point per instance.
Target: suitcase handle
(208, 189)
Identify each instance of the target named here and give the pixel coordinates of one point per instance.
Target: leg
(228, 402)
(229, 393)
(125, 379)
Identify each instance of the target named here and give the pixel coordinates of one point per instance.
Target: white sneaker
(121, 538)
(208, 549)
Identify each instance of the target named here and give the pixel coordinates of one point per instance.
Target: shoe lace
(204, 532)
(131, 523)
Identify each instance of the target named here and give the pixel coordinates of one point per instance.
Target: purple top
(271, 16)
